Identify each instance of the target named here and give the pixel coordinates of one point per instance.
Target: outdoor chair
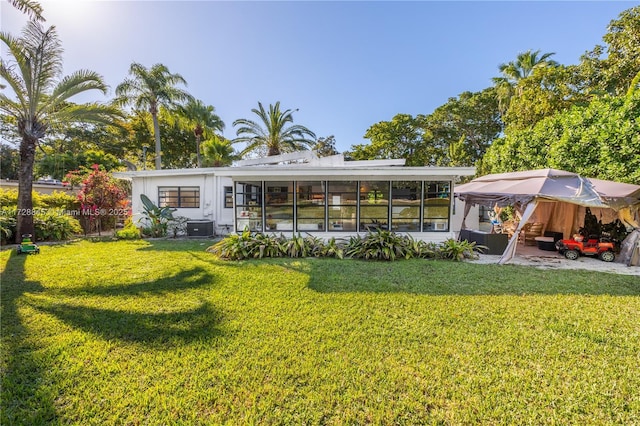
(530, 231)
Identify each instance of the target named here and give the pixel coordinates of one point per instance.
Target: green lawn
(162, 333)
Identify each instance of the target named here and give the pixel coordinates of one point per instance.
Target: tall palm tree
(203, 119)
(149, 89)
(275, 137)
(42, 101)
(514, 71)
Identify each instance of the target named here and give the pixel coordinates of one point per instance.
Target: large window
(179, 196)
(249, 206)
(343, 205)
(405, 206)
(436, 206)
(278, 205)
(374, 205)
(310, 205)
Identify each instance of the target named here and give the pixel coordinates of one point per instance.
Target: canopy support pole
(510, 251)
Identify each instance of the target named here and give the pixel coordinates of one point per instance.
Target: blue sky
(344, 65)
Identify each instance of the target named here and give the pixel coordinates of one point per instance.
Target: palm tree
(218, 152)
(275, 137)
(203, 120)
(149, 89)
(514, 71)
(34, 76)
(524, 65)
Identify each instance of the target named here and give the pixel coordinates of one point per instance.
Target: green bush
(332, 248)
(60, 200)
(129, 232)
(380, 245)
(375, 245)
(7, 223)
(459, 250)
(54, 224)
(8, 197)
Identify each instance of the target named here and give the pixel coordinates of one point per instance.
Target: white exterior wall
(212, 197)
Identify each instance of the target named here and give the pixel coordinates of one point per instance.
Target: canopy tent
(527, 190)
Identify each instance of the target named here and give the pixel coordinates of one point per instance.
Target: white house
(301, 193)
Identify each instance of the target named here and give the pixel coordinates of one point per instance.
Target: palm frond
(73, 84)
(32, 8)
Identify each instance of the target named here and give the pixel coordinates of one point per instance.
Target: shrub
(375, 245)
(235, 246)
(7, 223)
(129, 232)
(8, 197)
(380, 245)
(177, 226)
(157, 217)
(57, 199)
(459, 250)
(332, 248)
(54, 224)
(60, 200)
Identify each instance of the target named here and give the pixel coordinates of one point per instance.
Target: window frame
(163, 200)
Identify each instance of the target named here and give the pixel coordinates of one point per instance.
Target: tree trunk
(156, 133)
(25, 212)
(273, 150)
(198, 158)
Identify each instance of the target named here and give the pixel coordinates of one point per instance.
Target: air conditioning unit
(440, 226)
(200, 228)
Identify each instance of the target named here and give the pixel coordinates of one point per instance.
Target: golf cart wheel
(607, 256)
(571, 254)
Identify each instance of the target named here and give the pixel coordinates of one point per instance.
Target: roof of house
(309, 166)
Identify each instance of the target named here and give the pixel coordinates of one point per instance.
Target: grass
(161, 333)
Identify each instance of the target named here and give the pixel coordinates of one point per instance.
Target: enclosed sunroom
(327, 197)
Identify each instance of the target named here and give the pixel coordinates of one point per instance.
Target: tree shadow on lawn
(433, 277)
(25, 396)
(187, 279)
(157, 329)
(146, 324)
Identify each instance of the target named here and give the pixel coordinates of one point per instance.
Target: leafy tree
(42, 99)
(57, 165)
(600, 140)
(326, 147)
(148, 89)
(514, 71)
(102, 198)
(460, 131)
(274, 134)
(547, 91)
(203, 120)
(218, 152)
(612, 67)
(463, 127)
(9, 162)
(398, 138)
(177, 135)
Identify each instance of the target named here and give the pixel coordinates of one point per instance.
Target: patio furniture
(495, 243)
(530, 231)
(545, 243)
